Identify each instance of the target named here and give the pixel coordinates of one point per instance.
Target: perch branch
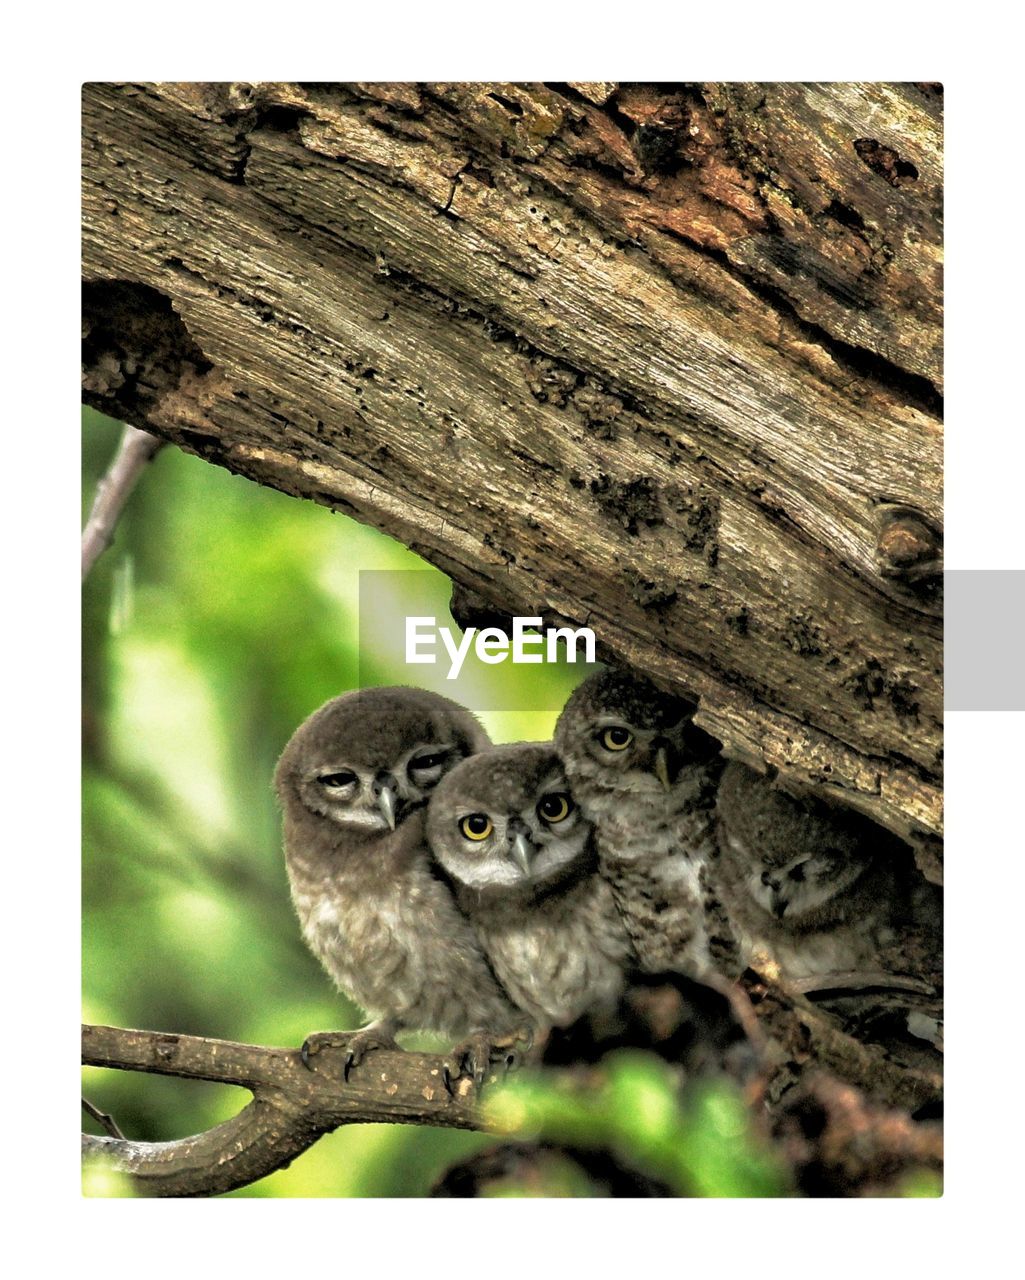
(292, 1106)
(136, 449)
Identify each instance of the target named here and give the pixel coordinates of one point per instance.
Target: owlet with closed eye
(506, 831)
(833, 898)
(353, 783)
(646, 776)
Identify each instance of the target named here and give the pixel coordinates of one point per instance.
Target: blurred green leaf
(700, 1142)
(922, 1184)
(100, 1181)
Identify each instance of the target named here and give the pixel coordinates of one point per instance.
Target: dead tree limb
(292, 1106)
(701, 323)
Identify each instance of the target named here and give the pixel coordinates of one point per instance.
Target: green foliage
(101, 1182)
(699, 1142)
(921, 1184)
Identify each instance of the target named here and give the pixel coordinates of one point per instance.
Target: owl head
(505, 821)
(367, 760)
(795, 853)
(620, 732)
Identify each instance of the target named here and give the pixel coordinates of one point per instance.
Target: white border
(975, 1219)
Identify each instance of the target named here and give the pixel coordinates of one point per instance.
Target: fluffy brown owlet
(353, 783)
(833, 898)
(506, 831)
(646, 776)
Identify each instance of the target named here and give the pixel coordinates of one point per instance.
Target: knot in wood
(908, 547)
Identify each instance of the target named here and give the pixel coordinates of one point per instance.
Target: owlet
(833, 898)
(505, 829)
(353, 783)
(646, 776)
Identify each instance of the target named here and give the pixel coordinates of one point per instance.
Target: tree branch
(102, 1118)
(803, 1036)
(292, 1105)
(136, 449)
(696, 322)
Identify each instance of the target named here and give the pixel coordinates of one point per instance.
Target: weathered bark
(662, 361)
(292, 1106)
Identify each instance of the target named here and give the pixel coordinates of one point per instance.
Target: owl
(834, 899)
(353, 783)
(505, 830)
(646, 777)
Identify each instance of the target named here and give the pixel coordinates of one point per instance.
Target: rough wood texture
(292, 1106)
(664, 361)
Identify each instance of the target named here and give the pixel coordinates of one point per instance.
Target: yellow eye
(476, 826)
(615, 738)
(555, 807)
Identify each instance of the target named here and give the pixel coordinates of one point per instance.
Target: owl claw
(470, 1058)
(357, 1044)
(453, 1071)
(474, 1055)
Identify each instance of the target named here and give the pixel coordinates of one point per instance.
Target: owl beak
(387, 800)
(778, 900)
(662, 768)
(521, 851)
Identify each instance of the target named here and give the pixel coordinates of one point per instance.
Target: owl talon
(357, 1044)
(317, 1042)
(471, 1058)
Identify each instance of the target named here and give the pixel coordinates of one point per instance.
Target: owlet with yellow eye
(645, 776)
(506, 832)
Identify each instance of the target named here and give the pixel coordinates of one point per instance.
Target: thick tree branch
(700, 323)
(292, 1105)
(136, 449)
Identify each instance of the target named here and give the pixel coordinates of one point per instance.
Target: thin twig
(133, 453)
(102, 1118)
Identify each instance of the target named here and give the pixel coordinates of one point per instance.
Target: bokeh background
(221, 617)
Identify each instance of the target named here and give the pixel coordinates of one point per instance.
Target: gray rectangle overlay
(982, 631)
